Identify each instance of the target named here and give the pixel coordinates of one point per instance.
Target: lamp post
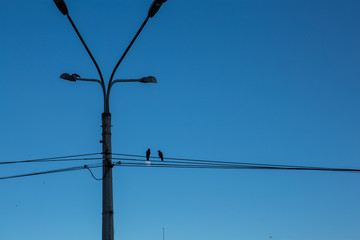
(107, 191)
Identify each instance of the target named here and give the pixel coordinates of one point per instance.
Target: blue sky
(252, 81)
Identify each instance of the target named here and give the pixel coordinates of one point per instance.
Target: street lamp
(149, 79)
(107, 205)
(62, 6)
(68, 77)
(155, 6)
(75, 77)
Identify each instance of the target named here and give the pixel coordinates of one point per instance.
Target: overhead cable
(53, 171)
(234, 167)
(55, 159)
(212, 161)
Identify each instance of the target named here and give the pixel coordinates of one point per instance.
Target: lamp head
(61, 5)
(155, 6)
(69, 77)
(149, 79)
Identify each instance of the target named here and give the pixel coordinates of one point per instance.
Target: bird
(148, 154)
(161, 156)
(76, 75)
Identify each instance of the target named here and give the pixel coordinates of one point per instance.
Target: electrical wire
(212, 161)
(55, 159)
(49, 160)
(217, 163)
(234, 167)
(92, 174)
(131, 160)
(52, 171)
(130, 155)
(210, 164)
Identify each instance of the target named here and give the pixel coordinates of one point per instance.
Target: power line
(53, 171)
(185, 163)
(204, 162)
(55, 159)
(198, 161)
(130, 155)
(210, 164)
(49, 160)
(234, 167)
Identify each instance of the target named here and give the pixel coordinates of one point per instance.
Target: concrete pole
(108, 210)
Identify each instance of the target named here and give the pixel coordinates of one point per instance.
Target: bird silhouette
(148, 154)
(161, 156)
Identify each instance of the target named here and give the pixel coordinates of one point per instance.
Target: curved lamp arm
(121, 58)
(154, 8)
(102, 83)
(149, 79)
(61, 5)
(89, 80)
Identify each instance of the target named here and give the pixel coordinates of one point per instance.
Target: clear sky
(238, 80)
